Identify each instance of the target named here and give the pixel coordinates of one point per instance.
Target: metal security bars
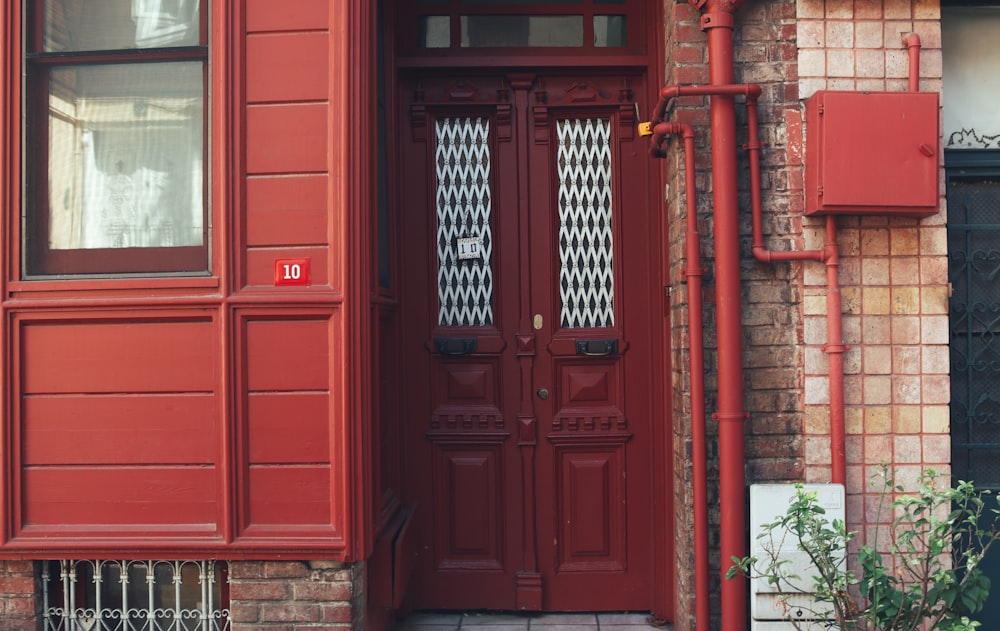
(974, 313)
(86, 595)
(586, 279)
(464, 232)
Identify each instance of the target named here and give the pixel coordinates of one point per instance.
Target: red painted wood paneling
(287, 210)
(109, 499)
(590, 521)
(149, 408)
(466, 490)
(286, 139)
(288, 355)
(120, 425)
(288, 428)
(108, 429)
(288, 476)
(287, 495)
(289, 15)
(277, 72)
(118, 357)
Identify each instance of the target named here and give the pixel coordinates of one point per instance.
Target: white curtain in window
(139, 189)
(129, 190)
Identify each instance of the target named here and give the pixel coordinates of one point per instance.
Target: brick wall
(19, 602)
(893, 272)
(295, 595)
(766, 54)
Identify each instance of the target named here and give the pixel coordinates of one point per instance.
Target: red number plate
(291, 272)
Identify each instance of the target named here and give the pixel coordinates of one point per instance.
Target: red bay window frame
(41, 261)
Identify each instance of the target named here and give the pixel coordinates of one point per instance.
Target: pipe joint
(723, 417)
(717, 19)
(831, 349)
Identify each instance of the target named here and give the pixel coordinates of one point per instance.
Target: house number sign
(291, 272)
(469, 248)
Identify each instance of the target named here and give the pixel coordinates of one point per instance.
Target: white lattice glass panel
(586, 277)
(464, 237)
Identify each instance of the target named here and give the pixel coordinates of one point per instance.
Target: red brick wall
(766, 54)
(295, 595)
(893, 271)
(19, 602)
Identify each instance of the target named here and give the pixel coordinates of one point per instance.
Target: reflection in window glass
(116, 24)
(480, 31)
(125, 156)
(609, 30)
(435, 31)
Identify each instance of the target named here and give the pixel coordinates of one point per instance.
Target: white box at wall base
(772, 607)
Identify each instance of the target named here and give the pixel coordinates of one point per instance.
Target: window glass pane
(971, 56)
(125, 156)
(435, 31)
(609, 30)
(74, 25)
(521, 30)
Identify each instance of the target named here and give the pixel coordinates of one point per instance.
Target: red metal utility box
(872, 153)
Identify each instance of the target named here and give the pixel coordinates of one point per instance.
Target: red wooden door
(528, 360)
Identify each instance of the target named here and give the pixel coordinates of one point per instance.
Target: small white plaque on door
(469, 248)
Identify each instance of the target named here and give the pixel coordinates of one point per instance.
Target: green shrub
(928, 576)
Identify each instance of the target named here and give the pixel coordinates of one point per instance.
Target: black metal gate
(974, 312)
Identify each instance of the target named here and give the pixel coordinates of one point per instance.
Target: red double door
(530, 255)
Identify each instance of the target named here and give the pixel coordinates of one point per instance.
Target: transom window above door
(115, 128)
(440, 27)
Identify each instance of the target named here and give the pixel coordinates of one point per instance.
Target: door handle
(543, 393)
(597, 348)
(455, 345)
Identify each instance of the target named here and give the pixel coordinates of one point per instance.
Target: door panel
(528, 353)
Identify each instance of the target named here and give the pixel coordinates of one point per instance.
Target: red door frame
(663, 553)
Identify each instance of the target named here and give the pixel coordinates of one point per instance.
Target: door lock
(543, 393)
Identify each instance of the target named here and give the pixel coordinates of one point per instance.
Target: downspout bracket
(717, 19)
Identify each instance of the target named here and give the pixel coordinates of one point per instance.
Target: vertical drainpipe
(717, 21)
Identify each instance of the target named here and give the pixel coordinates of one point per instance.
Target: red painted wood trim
(10, 195)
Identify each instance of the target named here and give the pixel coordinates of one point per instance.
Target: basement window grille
(112, 595)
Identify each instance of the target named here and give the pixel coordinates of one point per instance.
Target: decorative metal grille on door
(974, 269)
(586, 277)
(464, 235)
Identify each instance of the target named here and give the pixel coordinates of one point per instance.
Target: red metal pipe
(670, 92)
(693, 272)
(912, 42)
(717, 21)
(760, 251)
(835, 347)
